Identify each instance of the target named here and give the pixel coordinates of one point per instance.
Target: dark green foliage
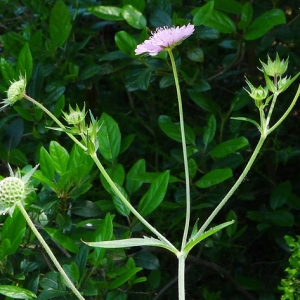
(83, 52)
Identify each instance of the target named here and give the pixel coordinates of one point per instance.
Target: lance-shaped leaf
(194, 240)
(134, 242)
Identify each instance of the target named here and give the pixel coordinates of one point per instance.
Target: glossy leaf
(8, 72)
(196, 54)
(282, 218)
(203, 13)
(133, 17)
(264, 23)
(123, 278)
(125, 42)
(155, 194)
(109, 138)
(228, 147)
(138, 79)
(119, 205)
(24, 63)
(46, 164)
(146, 260)
(220, 22)
(16, 292)
(246, 15)
(210, 130)
(172, 130)
(228, 6)
(13, 134)
(138, 4)
(59, 156)
(62, 239)
(109, 13)
(60, 23)
(214, 177)
(280, 194)
(203, 101)
(14, 229)
(132, 182)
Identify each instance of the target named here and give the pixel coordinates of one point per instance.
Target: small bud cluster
(273, 69)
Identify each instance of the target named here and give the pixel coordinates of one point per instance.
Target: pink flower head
(164, 37)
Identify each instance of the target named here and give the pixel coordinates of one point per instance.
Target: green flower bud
(75, 117)
(13, 190)
(14, 93)
(276, 67)
(258, 94)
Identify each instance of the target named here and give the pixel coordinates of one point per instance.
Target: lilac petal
(164, 37)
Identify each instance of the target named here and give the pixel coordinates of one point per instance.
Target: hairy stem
(50, 253)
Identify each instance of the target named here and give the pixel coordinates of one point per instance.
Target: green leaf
(231, 229)
(109, 13)
(203, 13)
(247, 120)
(59, 157)
(62, 239)
(210, 130)
(146, 260)
(133, 17)
(228, 147)
(138, 4)
(60, 23)
(200, 237)
(155, 194)
(14, 229)
(203, 101)
(16, 292)
(109, 138)
(132, 184)
(119, 204)
(196, 54)
(280, 194)
(46, 164)
(24, 63)
(246, 16)
(74, 271)
(117, 175)
(7, 71)
(282, 218)
(124, 278)
(128, 243)
(138, 79)
(214, 177)
(264, 23)
(125, 42)
(172, 130)
(220, 22)
(13, 134)
(229, 6)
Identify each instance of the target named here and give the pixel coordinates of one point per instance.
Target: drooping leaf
(228, 147)
(60, 23)
(214, 177)
(155, 194)
(264, 23)
(16, 292)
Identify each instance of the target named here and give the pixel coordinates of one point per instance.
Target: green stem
(286, 112)
(51, 115)
(185, 160)
(235, 186)
(181, 276)
(128, 205)
(50, 253)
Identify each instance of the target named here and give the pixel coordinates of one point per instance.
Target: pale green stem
(51, 115)
(234, 187)
(286, 112)
(270, 111)
(128, 205)
(185, 160)
(50, 253)
(181, 276)
(107, 177)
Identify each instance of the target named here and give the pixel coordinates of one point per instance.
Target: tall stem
(185, 160)
(181, 276)
(127, 203)
(51, 115)
(235, 186)
(50, 253)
